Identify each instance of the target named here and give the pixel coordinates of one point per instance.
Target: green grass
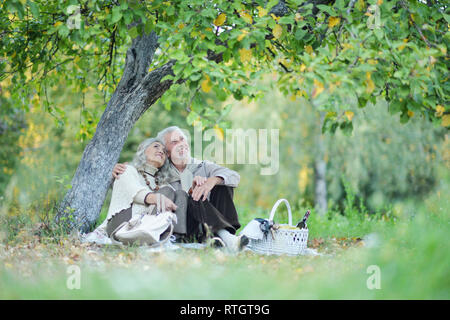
(412, 253)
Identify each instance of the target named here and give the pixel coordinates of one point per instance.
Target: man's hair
(162, 134)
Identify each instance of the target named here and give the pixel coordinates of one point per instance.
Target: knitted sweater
(130, 188)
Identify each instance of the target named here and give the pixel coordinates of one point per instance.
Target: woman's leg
(179, 197)
(117, 220)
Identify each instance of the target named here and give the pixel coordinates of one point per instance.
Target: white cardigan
(126, 189)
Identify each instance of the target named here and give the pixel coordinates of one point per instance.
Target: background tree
(136, 51)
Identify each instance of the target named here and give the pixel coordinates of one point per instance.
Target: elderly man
(202, 192)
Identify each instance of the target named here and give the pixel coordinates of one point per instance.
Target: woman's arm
(152, 198)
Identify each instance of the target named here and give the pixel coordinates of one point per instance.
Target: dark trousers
(197, 218)
(216, 213)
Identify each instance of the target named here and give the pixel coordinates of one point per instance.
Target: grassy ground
(410, 248)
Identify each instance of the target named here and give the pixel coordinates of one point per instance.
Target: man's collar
(192, 164)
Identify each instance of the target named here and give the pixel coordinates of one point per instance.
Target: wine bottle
(302, 224)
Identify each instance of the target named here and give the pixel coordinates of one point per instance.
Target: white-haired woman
(136, 190)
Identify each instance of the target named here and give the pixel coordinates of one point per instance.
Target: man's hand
(119, 169)
(198, 181)
(202, 191)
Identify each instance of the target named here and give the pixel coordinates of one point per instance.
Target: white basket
(285, 240)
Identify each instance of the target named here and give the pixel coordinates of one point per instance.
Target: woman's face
(155, 154)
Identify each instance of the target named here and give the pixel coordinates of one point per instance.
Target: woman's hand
(168, 204)
(202, 191)
(118, 169)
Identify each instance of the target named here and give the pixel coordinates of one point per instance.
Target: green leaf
(299, 34)
(34, 8)
(168, 77)
(327, 9)
(63, 31)
(362, 102)
(271, 4)
(396, 106)
(347, 128)
(133, 32)
(446, 17)
(286, 20)
(238, 95)
(149, 26)
(195, 76)
(192, 116)
(116, 15)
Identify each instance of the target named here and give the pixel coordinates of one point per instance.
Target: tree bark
(136, 92)
(320, 172)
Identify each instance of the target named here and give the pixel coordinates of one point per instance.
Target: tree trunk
(320, 172)
(135, 93)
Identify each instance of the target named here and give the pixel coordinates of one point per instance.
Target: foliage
(382, 163)
(12, 125)
(332, 53)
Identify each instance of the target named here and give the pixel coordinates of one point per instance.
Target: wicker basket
(286, 239)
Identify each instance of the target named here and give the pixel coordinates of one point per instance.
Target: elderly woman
(136, 190)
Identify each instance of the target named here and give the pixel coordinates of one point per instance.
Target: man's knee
(222, 191)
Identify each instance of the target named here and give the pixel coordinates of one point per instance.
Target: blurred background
(385, 166)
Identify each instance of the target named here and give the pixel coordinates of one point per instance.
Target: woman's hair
(140, 159)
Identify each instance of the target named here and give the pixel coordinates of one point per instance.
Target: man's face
(177, 147)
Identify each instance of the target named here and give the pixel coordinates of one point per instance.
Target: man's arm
(214, 175)
(230, 177)
(118, 169)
